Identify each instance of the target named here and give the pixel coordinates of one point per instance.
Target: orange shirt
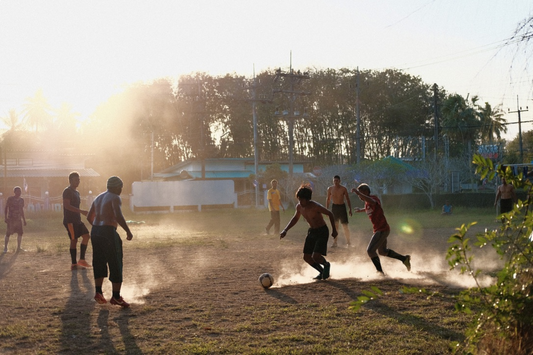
(274, 197)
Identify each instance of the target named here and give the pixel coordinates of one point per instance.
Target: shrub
(504, 321)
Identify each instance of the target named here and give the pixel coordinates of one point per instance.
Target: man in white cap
(105, 215)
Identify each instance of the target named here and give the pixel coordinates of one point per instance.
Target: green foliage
(365, 298)
(504, 322)
(512, 148)
(272, 172)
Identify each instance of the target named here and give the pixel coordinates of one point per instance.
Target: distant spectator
(14, 217)
(506, 196)
(447, 209)
(274, 204)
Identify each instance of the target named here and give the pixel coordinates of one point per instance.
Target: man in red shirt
(381, 228)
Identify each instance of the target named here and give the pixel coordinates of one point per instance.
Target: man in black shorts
(105, 215)
(337, 194)
(316, 242)
(506, 195)
(72, 221)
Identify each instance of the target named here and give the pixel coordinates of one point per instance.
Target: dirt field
(194, 290)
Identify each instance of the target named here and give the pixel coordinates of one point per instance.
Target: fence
(52, 204)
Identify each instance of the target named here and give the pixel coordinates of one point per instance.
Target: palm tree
(492, 122)
(11, 120)
(66, 119)
(37, 111)
(460, 119)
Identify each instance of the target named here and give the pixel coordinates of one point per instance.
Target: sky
(81, 52)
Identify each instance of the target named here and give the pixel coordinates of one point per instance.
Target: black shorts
(506, 205)
(76, 230)
(317, 241)
(107, 251)
(339, 212)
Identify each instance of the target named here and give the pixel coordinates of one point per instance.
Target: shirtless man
(105, 215)
(337, 194)
(506, 195)
(316, 242)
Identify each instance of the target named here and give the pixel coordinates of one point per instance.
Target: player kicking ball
(378, 242)
(316, 242)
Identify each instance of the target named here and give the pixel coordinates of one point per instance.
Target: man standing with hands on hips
(337, 194)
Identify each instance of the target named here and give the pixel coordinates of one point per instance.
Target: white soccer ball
(266, 280)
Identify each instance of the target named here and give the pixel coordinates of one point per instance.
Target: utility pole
(358, 116)
(518, 110)
(288, 83)
(254, 86)
(436, 119)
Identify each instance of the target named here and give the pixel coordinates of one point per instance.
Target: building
(43, 175)
(239, 170)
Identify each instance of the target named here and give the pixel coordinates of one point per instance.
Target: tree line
(151, 126)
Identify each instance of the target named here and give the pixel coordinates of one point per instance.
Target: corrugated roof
(47, 172)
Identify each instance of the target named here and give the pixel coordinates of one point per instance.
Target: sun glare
(410, 229)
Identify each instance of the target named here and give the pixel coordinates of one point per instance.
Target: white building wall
(182, 193)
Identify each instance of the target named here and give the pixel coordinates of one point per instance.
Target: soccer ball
(266, 280)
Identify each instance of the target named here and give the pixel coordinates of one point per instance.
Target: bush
(504, 322)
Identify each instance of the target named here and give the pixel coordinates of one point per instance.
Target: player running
(316, 242)
(378, 242)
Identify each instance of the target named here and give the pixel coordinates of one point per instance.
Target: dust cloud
(426, 269)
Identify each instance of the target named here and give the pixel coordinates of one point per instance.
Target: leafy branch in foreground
(366, 297)
(504, 322)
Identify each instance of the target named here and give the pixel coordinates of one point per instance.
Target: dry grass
(192, 282)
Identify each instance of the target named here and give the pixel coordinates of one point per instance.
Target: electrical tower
(288, 83)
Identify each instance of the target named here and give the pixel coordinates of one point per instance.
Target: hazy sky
(81, 52)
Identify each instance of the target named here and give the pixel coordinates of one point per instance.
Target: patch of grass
(15, 331)
(201, 270)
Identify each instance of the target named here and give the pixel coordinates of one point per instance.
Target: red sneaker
(74, 267)
(99, 298)
(83, 263)
(120, 302)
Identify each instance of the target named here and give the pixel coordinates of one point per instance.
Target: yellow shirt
(274, 197)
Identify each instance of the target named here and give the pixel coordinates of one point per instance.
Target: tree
(461, 123)
(512, 149)
(393, 105)
(11, 120)
(521, 40)
(37, 111)
(66, 119)
(492, 122)
(429, 177)
(140, 127)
